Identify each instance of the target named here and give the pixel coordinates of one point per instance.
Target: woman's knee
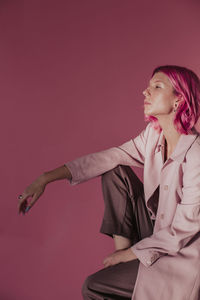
(110, 175)
(87, 285)
(123, 176)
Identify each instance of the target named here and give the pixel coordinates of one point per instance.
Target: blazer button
(165, 187)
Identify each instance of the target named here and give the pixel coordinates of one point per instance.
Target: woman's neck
(171, 136)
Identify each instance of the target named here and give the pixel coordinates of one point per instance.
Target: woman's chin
(148, 112)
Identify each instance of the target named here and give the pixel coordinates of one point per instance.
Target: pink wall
(72, 75)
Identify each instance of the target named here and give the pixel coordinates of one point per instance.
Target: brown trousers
(126, 215)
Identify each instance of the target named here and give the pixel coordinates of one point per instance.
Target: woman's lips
(145, 102)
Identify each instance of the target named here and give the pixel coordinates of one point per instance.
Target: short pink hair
(186, 83)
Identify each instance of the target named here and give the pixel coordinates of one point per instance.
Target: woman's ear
(180, 99)
(178, 102)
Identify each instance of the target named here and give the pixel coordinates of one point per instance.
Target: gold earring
(175, 109)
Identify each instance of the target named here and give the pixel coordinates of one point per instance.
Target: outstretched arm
(131, 153)
(86, 167)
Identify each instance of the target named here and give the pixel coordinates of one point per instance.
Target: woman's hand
(34, 190)
(119, 256)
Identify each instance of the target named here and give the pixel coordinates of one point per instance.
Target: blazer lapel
(156, 164)
(153, 168)
(183, 145)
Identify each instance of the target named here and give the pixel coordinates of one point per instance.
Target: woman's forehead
(160, 77)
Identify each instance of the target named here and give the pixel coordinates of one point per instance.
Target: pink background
(72, 75)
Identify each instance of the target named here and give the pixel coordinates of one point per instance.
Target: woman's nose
(145, 92)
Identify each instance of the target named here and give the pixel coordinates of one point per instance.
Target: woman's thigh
(125, 211)
(114, 282)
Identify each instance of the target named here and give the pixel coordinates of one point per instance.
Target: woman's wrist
(129, 255)
(56, 174)
(43, 179)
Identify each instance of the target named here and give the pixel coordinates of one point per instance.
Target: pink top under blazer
(169, 266)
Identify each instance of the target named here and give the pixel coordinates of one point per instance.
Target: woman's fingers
(107, 264)
(24, 206)
(22, 203)
(34, 191)
(118, 256)
(33, 201)
(111, 259)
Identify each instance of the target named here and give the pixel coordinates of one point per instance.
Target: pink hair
(186, 83)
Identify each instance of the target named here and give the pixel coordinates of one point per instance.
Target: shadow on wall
(6, 297)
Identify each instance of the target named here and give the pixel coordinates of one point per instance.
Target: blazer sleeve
(131, 153)
(186, 221)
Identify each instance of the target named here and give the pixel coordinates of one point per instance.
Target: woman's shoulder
(153, 136)
(150, 131)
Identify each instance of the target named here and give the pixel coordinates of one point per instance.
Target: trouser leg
(125, 211)
(126, 215)
(112, 283)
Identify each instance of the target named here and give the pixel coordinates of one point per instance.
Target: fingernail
(27, 209)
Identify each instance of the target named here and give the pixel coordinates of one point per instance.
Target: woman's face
(159, 96)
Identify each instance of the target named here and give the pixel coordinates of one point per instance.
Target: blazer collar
(161, 142)
(183, 144)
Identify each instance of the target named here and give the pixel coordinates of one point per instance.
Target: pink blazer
(169, 266)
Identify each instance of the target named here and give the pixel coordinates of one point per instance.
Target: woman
(155, 226)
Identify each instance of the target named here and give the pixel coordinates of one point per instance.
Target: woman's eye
(157, 86)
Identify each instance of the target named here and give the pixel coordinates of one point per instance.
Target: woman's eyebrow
(156, 81)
